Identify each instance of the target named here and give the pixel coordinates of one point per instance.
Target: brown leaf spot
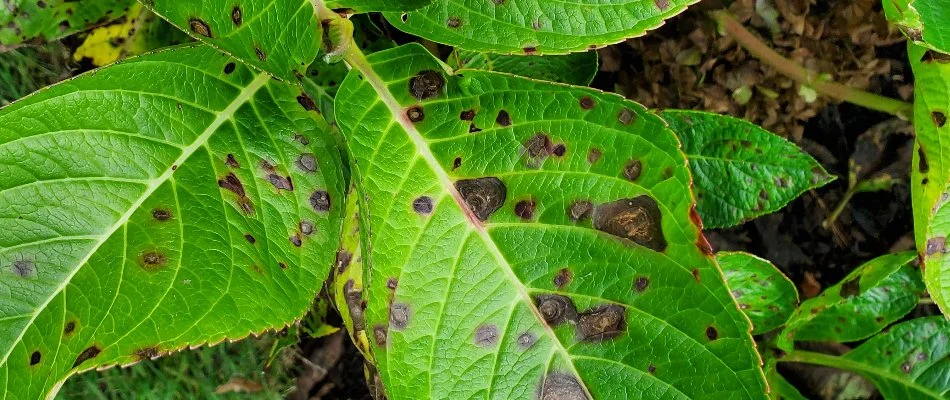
(641, 284)
(35, 358)
(587, 102)
(932, 56)
(538, 148)
(301, 139)
(558, 386)
(306, 227)
(593, 155)
(69, 328)
(354, 304)
(486, 335)
(473, 129)
(147, 353)
(559, 150)
(651, 368)
(712, 333)
(563, 278)
(637, 219)
(200, 27)
(850, 288)
(250, 238)
(426, 84)
(632, 170)
(399, 314)
(392, 283)
(503, 118)
(555, 308)
(236, 16)
(380, 334)
(296, 240)
(663, 5)
(601, 323)
(161, 214)
(939, 118)
(936, 245)
(580, 209)
(260, 54)
(282, 265)
(307, 103)
(906, 367)
(453, 22)
(422, 205)
(456, 163)
(320, 201)
(23, 268)
(343, 259)
(696, 277)
(152, 260)
(524, 209)
(922, 165)
(526, 340)
(231, 162)
(484, 196)
(280, 182)
(229, 68)
(88, 353)
(307, 162)
(415, 114)
(467, 115)
(530, 50)
(626, 116)
(233, 184)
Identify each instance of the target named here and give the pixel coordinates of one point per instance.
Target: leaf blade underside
(479, 202)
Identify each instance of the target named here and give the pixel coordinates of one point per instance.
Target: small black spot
(399, 314)
(231, 162)
(712, 333)
(555, 309)
(939, 118)
(579, 210)
(906, 367)
(641, 284)
(306, 227)
(850, 288)
(503, 118)
(525, 209)
(526, 340)
(151, 260)
(282, 265)
(530, 50)
(250, 238)
(343, 259)
(41, 4)
(484, 196)
(626, 116)
(426, 84)
(88, 353)
(296, 240)
(161, 214)
(637, 219)
(695, 273)
(587, 103)
(593, 155)
(280, 182)
(559, 386)
(453, 22)
(236, 16)
(457, 163)
(601, 323)
(559, 150)
(415, 114)
(307, 162)
(35, 358)
(200, 27)
(392, 283)
(380, 334)
(260, 54)
(922, 165)
(229, 68)
(306, 102)
(467, 115)
(320, 201)
(632, 170)
(69, 328)
(563, 278)
(486, 335)
(422, 205)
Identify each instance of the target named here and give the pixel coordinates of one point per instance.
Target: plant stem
(729, 26)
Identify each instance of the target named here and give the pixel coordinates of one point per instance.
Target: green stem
(803, 76)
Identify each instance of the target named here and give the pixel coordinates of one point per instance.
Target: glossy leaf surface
(171, 200)
(532, 239)
(574, 69)
(740, 170)
(763, 292)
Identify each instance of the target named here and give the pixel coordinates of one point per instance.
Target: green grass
(24, 70)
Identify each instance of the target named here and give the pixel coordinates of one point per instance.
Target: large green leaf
(575, 68)
(871, 297)
(535, 27)
(930, 175)
(923, 21)
(42, 20)
(528, 238)
(764, 294)
(740, 170)
(171, 200)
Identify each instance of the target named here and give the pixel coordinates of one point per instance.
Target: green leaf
(779, 387)
(740, 170)
(157, 204)
(763, 292)
(30, 21)
(930, 172)
(923, 21)
(494, 203)
(533, 27)
(362, 6)
(574, 69)
(871, 297)
(347, 288)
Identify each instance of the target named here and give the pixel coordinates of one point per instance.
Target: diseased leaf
(30, 21)
(172, 200)
(529, 239)
(574, 69)
(740, 170)
(930, 171)
(362, 6)
(137, 32)
(871, 297)
(923, 21)
(347, 286)
(533, 27)
(763, 292)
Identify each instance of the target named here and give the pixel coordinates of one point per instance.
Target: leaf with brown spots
(763, 292)
(148, 223)
(922, 21)
(574, 69)
(529, 259)
(27, 22)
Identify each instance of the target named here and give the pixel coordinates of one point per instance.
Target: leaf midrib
(243, 96)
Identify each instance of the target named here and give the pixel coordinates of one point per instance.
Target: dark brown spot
(467, 115)
(503, 118)
(307, 162)
(250, 238)
(35, 358)
(380, 334)
(558, 386)
(69, 328)
(555, 309)
(161, 214)
(580, 209)
(296, 240)
(392, 283)
(399, 314)
(939, 118)
(473, 129)
(354, 304)
(199, 27)
(320, 201)
(559, 150)
(850, 288)
(696, 277)
(236, 16)
(906, 367)
(229, 68)
(282, 265)
(526, 340)
(457, 163)
(662, 4)
(632, 170)
(306, 227)
(301, 139)
(712, 333)
(88, 353)
(41, 4)
(529, 50)
(233, 184)
(422, 205)
(626, 116)
(931, 56)
(524, 209)
(922, 165)
(587, 103)
(484, 196)
(280, 182)
(151, 260)
(453, 22)
(563, 278)
(307, 103)
(415, 114)
(637, 219)
(231, 162)
(538, 148)
(651, 368)
(641, 284)
(486, 335)
(426, 84)
(593, 155)
(601, 323)
(147, 353)
(936, 245)
(343, 259)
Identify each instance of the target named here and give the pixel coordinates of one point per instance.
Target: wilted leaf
(740, 170)
(532, 239)
(574, 69)
(923, 21)
(29, 21)
(155, 204)
(871, 297)
(348, 278)
(763, 292)
(137, 32)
